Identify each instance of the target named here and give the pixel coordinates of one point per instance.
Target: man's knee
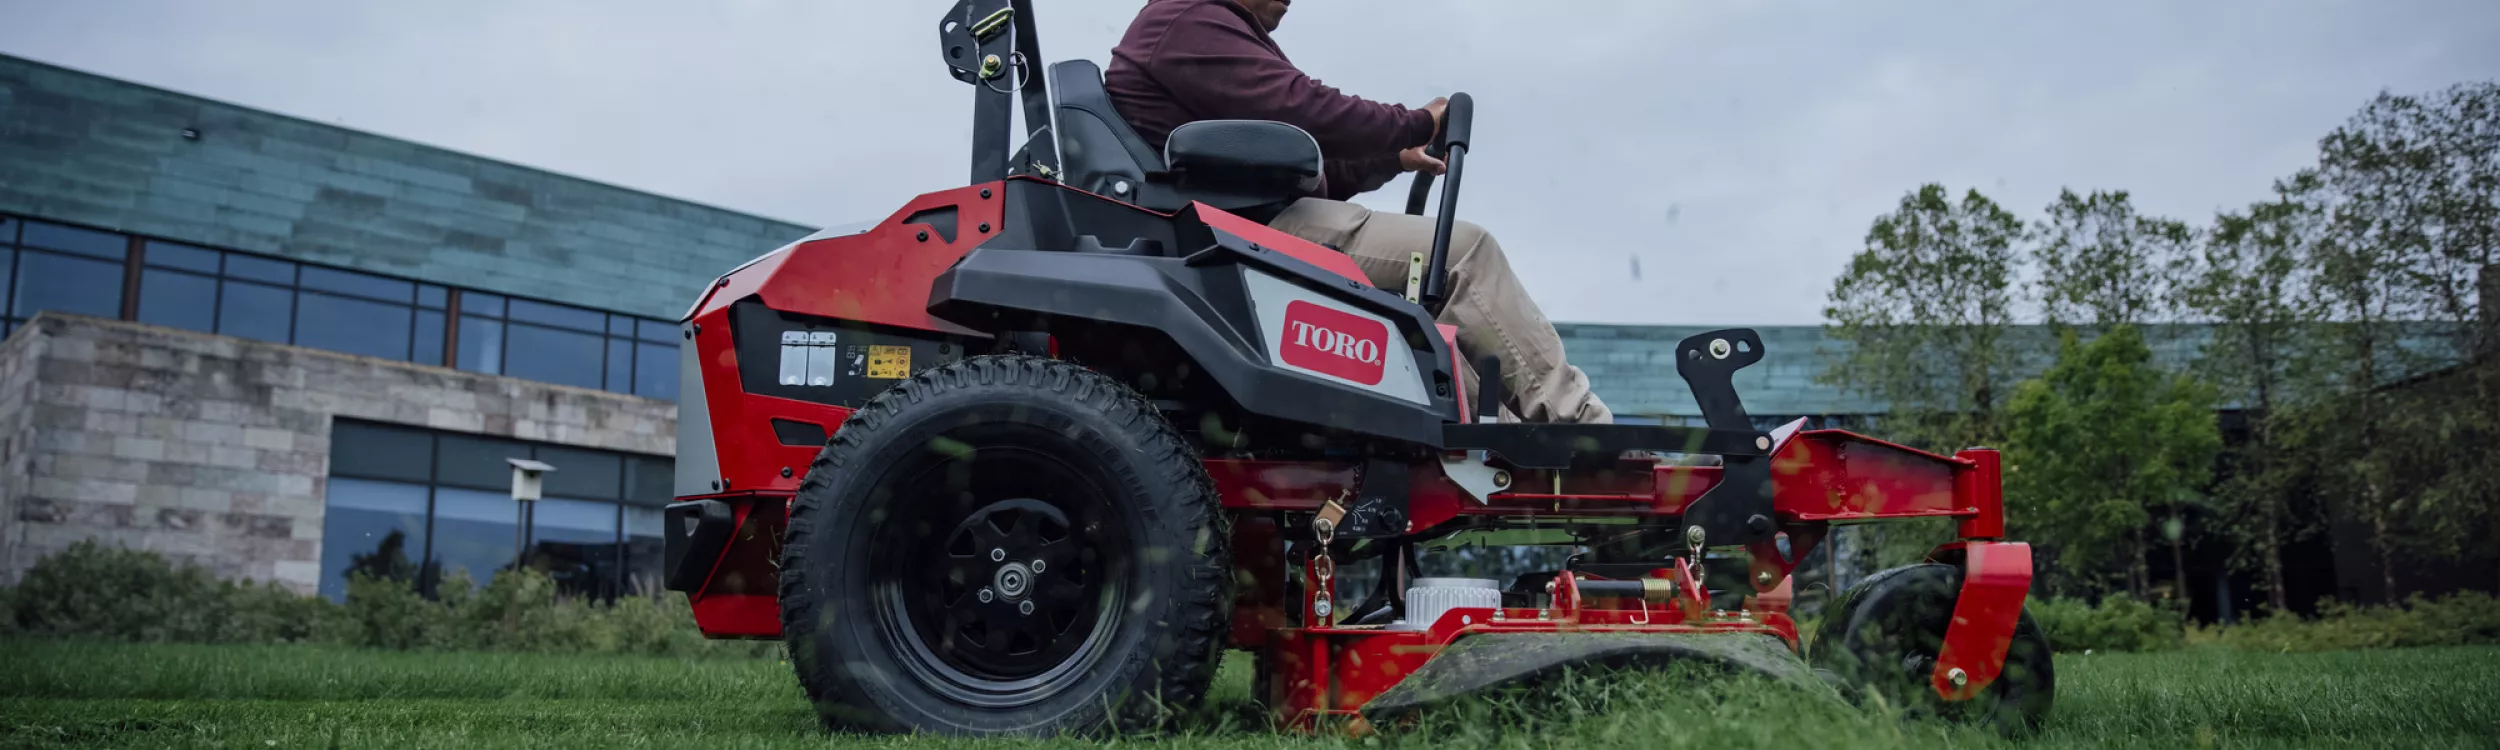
(1473, 247)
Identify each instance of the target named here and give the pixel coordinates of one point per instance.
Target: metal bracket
(1379, 510)
(1736, 511)
(1415, 277)
(1471, 473)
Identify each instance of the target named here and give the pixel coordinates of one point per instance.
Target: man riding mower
(1028, 455)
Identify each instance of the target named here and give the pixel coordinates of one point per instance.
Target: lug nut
(998, 555)
(1024, 608)
(985, 596)
(1038, 566)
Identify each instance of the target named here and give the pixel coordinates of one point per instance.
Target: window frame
(451, 303)
(429, 571)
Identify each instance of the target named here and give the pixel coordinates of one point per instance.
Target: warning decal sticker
(891, 362)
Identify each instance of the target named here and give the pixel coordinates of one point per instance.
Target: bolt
(1764, 578)
(1024, 608)
(985, 192)
(924, 236)
(1718, 348)
(1959, 677)
(985, 596)
(1320, 608)
(1039, 567)
(1762, 442)
(1501, 479)
(785, 472)
(998, 555)
(985, 227)
(1693, 535)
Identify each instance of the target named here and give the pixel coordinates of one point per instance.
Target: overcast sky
(1732, 152)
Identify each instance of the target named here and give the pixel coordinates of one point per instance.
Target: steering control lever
(1451, 148)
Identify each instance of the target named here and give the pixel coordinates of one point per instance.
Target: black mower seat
(1253, 167)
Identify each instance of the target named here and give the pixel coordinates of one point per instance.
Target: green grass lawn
(55, 694)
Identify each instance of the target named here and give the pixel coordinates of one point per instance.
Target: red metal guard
(1995, 578)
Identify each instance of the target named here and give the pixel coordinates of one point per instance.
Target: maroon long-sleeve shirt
(1189, 60)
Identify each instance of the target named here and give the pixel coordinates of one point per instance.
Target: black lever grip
(1454, 127)
(1455, 121)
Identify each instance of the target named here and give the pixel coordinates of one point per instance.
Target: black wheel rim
(999, 568)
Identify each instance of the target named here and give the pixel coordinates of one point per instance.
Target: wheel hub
(1012, 580)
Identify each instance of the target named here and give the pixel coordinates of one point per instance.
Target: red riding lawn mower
(1028, 455)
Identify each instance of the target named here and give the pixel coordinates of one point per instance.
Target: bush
(94, 591)
(2462, 619)
(2119, 623)
(91, 590)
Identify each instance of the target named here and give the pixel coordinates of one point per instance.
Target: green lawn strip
(99, 695)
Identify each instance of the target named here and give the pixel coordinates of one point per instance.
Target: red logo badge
(1327, 340)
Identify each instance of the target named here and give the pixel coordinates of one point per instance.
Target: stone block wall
(215, 450)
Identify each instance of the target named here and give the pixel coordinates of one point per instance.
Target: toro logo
(1331, 341)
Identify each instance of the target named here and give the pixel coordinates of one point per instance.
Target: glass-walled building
(290, 351)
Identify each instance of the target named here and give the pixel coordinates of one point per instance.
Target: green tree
(2247, 284)
(2102, 263)
(2410, 182)
(2100, 443)
(1923, 311)
(1922, 315)
(2418, 177)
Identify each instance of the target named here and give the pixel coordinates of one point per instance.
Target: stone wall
(215, 450)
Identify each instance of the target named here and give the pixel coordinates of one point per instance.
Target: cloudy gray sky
(1737, 150)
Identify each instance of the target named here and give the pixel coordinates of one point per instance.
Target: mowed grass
(109, 695)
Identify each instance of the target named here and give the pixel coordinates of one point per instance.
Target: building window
(56, 267)
(48, 266)
(418, 505)
(568, 345)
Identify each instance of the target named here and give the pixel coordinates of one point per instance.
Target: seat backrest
(1098, 152)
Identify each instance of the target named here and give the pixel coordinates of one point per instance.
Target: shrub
(2462, 619)
(2119, 623)
(94, 591)
(90, 590)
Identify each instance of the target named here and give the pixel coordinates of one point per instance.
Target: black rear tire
(1884, 635)
(914, 597)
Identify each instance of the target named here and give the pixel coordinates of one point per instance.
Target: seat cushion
(1244, 153)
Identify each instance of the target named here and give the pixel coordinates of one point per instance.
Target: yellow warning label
(889, 362)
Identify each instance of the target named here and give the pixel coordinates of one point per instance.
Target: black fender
(1203, 303)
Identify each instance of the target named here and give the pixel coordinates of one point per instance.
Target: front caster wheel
(1007, 545)
(1883, 638)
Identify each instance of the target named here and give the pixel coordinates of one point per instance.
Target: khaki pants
(1492, 312)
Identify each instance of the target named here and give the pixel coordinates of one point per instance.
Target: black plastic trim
(793, 432)
(695, 532)
(941, 219)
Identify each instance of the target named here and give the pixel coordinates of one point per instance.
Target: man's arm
(1346, 178)
(1212, 63)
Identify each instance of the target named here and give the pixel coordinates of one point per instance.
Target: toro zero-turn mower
(1028, 455)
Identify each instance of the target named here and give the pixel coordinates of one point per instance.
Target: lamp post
(525, 484)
